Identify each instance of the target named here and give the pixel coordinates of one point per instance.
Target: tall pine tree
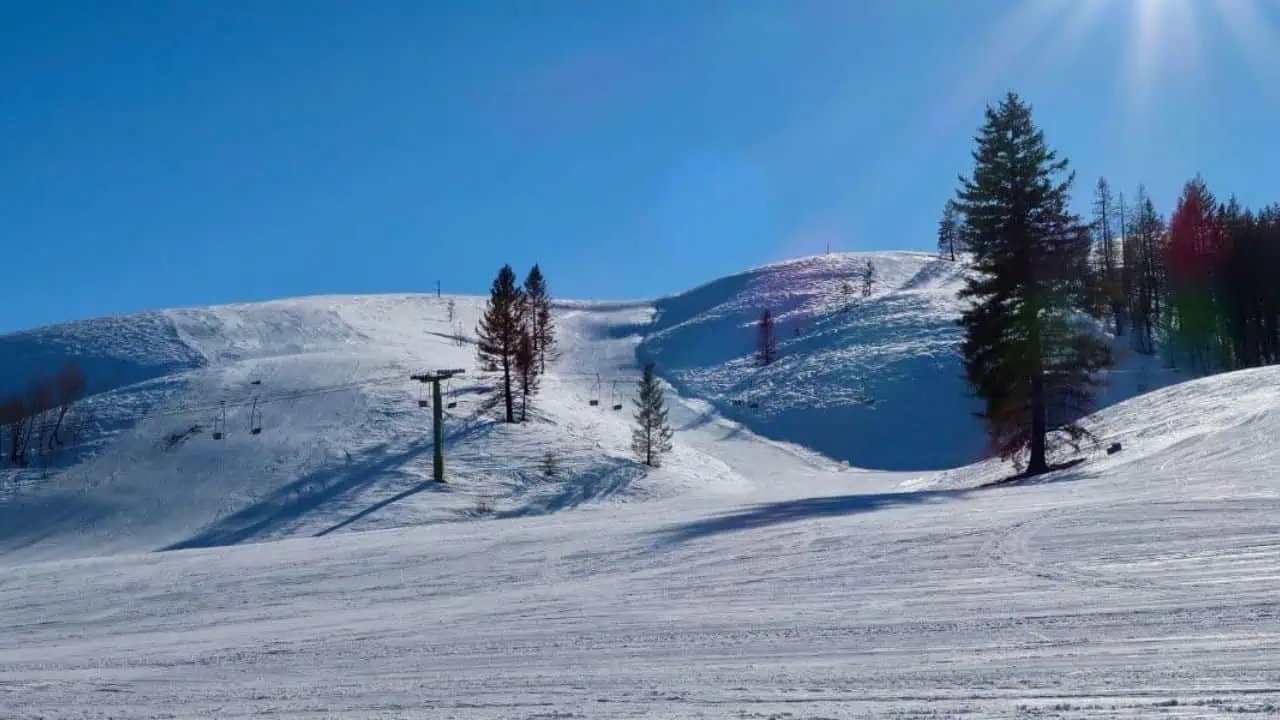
(541, 326)
(949, 231)
(498, 334)
(526, 364)
(651, 437)
(1026, 355)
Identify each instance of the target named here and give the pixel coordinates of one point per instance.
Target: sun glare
(1165, 46)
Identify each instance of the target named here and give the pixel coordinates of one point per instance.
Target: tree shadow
(290, 503)
(1057, 473)
(27, 522)
(466, 339)
(609, 478)
(789, 511)
(702, 419)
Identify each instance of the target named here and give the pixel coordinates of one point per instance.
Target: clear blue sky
(158, 154)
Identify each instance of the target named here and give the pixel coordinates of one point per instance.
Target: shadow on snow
(291, 502)
(767, 515)
(607, 479)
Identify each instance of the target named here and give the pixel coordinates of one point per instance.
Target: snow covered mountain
(829, 552)
(872, 381)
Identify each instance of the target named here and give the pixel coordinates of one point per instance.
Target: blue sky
(159, 154)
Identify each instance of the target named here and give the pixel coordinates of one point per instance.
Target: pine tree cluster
(516, 337)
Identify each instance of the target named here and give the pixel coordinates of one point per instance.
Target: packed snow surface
(756, 575)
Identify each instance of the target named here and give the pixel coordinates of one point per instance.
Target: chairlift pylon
(220, 421)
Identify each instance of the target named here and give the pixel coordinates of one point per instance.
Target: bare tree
(868, 278)
(68, 389)
(39, 402)
(13, 417)
(451, 308)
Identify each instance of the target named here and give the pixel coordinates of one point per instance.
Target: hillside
(343, 446)
(868, 382)
(875, 381)
(311, 571)
(1138, 585)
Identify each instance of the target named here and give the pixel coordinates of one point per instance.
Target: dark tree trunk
(506, 390)
(1039, 426)
(53, 438)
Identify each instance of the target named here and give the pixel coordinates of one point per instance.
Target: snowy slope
(1139, 585)
(344, 445)
(873, 382)
(755, 575)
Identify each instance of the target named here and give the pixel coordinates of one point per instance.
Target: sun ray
(1074, 32)
(1162, 52)
(1007, 43)
(1254, 34)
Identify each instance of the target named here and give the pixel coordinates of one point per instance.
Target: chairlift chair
(423, 402)
(448, 391)
(595, 392)
(617, 402)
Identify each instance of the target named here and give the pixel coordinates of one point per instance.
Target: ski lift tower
(437, 414)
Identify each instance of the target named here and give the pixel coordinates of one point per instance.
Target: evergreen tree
(498, 334)
(651, 437)
(526, 362)
(1193, 251)
(1025, 353)
(949, 231)
(846, 295)
(868, 278)
(766, 340)
(541, 324)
